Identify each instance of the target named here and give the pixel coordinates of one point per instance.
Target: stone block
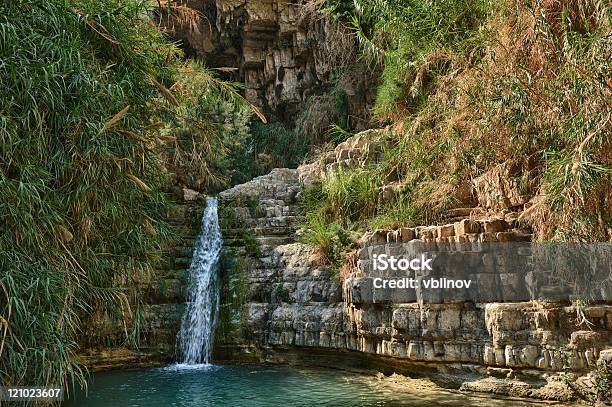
(190, 195)
(414, 350)
(407, 234)
(378, 236)
(605, 356)
(498, 188)
(466, 226)
(398, 349)
(446, 231)
(392, 237)
(487, 237)
(489, 355)
(529, 355)
(495, 226)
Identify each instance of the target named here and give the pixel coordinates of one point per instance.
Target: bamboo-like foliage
(399, 34)
(208, 126)
(86, 112)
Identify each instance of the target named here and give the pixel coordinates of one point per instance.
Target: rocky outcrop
(503, 187)
(355, 152)
(524, 335)
(295, 309)
(285, 52)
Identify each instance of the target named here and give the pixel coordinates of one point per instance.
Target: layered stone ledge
(295, 306)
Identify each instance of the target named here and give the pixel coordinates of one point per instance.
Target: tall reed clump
(412, 40)
(86, 111)
(207, 129)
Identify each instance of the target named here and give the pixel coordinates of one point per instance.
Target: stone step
(180, 251)
(186, 231)
(274, 240)
(181, 273)
(182, 261)
(180, 222)
(233, 233)
(275, 231)
(238, 251)
(233, 242)
(169, 263)
(462, 213)
(261, 231)
(188, 242)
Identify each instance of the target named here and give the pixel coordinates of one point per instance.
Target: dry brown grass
(521, 96)
(310, 10)
(316, 119)
(340, 47)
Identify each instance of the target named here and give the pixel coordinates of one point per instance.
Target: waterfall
(195, 339)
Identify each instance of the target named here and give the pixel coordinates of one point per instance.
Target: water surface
(253, 386)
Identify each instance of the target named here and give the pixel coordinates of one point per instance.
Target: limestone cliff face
(283, 51)
(295, 308)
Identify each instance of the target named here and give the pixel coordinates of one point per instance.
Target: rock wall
(535, 335)
(284, 52)
(293, 306)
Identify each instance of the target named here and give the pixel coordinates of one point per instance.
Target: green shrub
(351, 195)
(210, 126)
(603, 382)
(398, 213)
(269, 145)
(404, 36)
(328, 237)
(281, 293)
(335, 211)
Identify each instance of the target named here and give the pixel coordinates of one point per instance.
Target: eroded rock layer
(285, 53)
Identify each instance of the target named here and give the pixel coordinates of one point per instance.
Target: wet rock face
(283, 51)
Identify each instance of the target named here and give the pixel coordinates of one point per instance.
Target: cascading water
(195, 339)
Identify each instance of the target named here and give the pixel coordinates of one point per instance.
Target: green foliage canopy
(87, 109)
